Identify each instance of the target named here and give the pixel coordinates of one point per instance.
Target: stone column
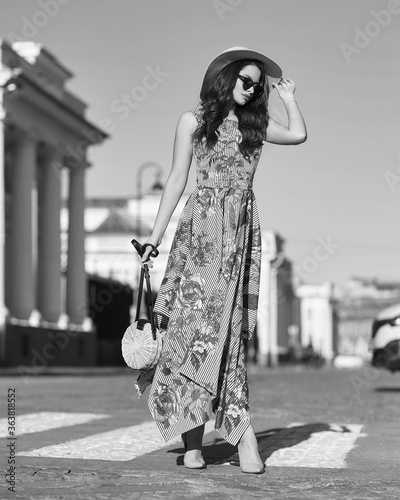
(76, 277)
(264, 312)
(273, 318)
(274, 311)
(3, 309)
(49, 243)
(22, 289)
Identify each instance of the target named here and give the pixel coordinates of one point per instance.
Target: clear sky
(342, 185)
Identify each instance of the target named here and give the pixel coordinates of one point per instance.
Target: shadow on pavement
(217, 451)
(269, 441)
(277, 439)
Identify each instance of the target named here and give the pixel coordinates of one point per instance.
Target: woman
(207, 302)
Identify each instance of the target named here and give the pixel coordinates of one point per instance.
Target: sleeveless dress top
(208, 299)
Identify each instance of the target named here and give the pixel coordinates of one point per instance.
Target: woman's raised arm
(295, 132)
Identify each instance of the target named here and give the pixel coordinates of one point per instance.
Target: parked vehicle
(385, 341)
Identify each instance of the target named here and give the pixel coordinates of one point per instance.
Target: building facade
(44, 142)
(277, 313)
(319, 319)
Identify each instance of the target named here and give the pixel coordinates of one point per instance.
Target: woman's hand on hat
(285, 89)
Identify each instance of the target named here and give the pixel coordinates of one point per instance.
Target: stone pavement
(323, 434)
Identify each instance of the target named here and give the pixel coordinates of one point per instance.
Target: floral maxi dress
(207, 302)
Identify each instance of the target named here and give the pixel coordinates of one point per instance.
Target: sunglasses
(247, 83)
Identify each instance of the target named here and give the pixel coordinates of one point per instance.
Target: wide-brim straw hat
(272, 70)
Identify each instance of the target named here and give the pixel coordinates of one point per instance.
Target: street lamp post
(157, 185)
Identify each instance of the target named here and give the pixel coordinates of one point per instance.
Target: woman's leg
(250, 460)
(192, 441)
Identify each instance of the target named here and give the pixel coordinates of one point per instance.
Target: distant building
(278, 316)
(359, 302)
(44, 138)
(319, 322)
(109, 252)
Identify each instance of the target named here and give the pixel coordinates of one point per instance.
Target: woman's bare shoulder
(188, 120)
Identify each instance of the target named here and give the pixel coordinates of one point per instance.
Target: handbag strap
(144, 273)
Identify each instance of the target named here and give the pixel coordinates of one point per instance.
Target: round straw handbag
(142, 343)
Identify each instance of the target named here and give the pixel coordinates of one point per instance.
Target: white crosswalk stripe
(47, 420)
(121, 444)
(323, 449)
(298, 445)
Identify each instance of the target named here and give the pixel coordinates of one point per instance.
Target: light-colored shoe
(250, 467)
(193, 459)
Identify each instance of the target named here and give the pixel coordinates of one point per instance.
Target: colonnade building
(44, 140)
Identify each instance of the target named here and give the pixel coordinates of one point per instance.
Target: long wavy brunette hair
(218, 100)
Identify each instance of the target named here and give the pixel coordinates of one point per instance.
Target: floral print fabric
(207, 302)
